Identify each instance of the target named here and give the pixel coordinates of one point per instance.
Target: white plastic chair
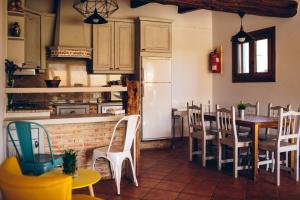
(287, 140)
(117, 154)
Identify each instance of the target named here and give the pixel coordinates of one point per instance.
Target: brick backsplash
(84, 138)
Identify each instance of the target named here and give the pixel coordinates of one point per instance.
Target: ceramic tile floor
(168, 175)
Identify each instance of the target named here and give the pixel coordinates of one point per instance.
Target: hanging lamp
(96, 11)
(241, 37)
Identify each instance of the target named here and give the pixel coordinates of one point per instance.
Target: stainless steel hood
(72, 37)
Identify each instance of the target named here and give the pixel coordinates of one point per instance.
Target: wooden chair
(251, 109)
(287, 140)
(229, 137)
(273, 111)
(198, 131)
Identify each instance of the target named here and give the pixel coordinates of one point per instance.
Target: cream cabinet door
(124, 47)
(103, 47)
(32, 40)
(156, 37)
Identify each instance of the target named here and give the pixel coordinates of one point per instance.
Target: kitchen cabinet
(113, 47)
(155, 35)
(32, 40)
(39, 30)
(103, 47)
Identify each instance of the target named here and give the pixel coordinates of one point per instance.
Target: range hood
(72, 37)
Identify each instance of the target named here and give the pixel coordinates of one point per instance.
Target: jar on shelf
(15, 29)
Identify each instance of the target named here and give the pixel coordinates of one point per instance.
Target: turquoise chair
(30, 162)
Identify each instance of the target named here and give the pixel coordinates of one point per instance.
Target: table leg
(173, 137)
(182, 130)
(255, 130)
(91, 189)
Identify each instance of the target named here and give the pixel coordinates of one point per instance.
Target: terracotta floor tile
(156, 194)
(148, 182)
(183, 196)
(170, 186)
(168, 175)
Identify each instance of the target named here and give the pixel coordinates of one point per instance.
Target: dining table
(253, 122)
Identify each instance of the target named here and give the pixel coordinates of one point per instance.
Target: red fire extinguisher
(215, 61)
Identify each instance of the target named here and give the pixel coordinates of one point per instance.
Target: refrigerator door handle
(142, 74)
(142, 90)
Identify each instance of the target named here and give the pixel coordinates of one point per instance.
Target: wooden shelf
(65, 90)
(15, 13)
(15, 38)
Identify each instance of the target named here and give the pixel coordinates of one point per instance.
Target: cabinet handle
(143, 49)
(36, 144)
(117, 68)
(111, 68)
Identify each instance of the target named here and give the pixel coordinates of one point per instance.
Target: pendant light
(241, 37)
(96, 11)
(95, 18)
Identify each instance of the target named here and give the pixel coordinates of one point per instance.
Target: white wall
(2, 74)
(286, 88)
(192, 42)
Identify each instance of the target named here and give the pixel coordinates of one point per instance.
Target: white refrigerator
(156, 98)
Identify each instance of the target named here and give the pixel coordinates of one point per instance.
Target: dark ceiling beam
(186, 9)
(272, 8)
(138, 3)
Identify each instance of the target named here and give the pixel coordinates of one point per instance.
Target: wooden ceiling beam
(186, 9)
(272, 8)
(138, 3)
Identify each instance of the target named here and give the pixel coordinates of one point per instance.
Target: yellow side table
(85, 178)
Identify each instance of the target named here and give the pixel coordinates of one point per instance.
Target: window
(255, 61)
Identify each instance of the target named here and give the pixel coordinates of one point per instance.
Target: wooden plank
(134, 108)
(137, 3)
(273, 8)
(186, 9)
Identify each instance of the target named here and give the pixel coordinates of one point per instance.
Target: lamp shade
(104, 7)
(241, 37)
(95, 18)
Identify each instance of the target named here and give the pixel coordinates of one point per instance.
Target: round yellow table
(85, 178)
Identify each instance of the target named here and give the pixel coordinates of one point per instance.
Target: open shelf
(15, 13)
(15, 38)
(65, 90)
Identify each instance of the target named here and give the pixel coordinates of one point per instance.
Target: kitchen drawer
(73, 110)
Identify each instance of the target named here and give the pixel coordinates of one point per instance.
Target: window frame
(252, 76)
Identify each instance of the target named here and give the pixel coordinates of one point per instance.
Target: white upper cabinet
(39, 29)
(124, 46)
(155, 35)
(32, 40)
(103, 47)
(113, 47)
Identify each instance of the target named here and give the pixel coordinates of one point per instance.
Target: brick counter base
(84, 138)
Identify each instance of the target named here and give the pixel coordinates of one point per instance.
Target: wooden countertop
(69, 119)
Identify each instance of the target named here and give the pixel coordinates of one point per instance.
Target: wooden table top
(249, 119)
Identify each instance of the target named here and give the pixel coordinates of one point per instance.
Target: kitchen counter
(70, 119)
(83, 133)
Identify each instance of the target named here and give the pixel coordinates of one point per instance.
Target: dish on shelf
(52, 83)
